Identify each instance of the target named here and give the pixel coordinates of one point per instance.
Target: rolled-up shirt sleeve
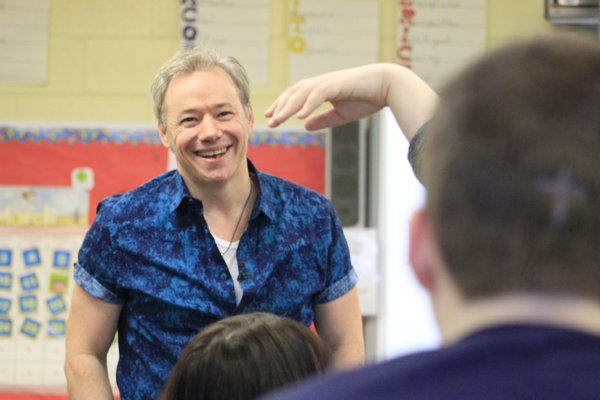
(93, 287)
(95, 268)
(342, 276)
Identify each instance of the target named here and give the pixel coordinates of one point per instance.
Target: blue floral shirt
(151, 251)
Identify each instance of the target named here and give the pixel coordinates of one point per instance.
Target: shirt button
(223, 276)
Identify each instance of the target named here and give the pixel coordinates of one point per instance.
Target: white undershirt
(232, 264)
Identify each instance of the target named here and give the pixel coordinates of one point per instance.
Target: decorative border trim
(145, 136)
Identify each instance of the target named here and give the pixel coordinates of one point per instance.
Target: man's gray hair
(198, 58)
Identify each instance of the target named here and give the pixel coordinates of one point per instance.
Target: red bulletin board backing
(296, 156)
(123, 158)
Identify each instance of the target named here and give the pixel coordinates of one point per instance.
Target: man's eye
(187, 121)
(225, 114)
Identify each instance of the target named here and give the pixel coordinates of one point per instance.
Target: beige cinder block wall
(102, 55)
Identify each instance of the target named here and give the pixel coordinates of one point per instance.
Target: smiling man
(213, 238)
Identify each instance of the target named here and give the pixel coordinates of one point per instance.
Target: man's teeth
(212, 153)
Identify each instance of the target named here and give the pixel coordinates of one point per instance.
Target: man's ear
(250, 112)
(164, 138)
(421, 250)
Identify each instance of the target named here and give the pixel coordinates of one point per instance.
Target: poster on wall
(437, 38)
(24, 41)
(325, 36)
(238, 28)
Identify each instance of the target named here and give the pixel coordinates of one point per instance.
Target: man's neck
(227, 209)
(227, 197)
(219, 196)
(532, 308)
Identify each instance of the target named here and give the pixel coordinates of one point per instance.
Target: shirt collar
(177, 192)
(264, 203)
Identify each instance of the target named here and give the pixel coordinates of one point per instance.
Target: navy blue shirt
(512, 362)
(151, 251)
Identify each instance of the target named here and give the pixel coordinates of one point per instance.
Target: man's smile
(215, 153)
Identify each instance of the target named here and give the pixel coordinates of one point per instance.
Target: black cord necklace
(237, 224)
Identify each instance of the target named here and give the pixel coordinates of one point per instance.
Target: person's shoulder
(378, 381)
(290, 191)
(149, 194)
(287, 200)
(484, 364)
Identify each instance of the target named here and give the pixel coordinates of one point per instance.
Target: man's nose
(209, 129)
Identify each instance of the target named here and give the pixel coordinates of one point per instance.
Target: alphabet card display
(35, 275)
(47, 201)
(41, 230)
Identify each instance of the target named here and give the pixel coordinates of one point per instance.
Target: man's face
(207, 128)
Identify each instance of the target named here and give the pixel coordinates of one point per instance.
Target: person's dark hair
(513, 170)
(244, 356)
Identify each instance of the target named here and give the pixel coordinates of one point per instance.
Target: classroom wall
(102, 55)
(509, 19)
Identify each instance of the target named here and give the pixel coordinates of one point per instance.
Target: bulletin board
(51, 180)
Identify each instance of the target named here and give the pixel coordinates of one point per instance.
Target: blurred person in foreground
(243, 356)
(508, 242)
